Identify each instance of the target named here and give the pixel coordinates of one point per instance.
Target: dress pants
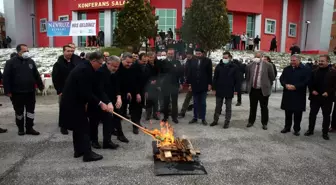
(239, 97)
(22, 101)
(255, 97)
(107, 120)
(289, 120)
(326, 106)
(186, 102)
(333, 122)
(81, 138)
(166, 101)
(136, 110)
(199, 105)
(228, 108)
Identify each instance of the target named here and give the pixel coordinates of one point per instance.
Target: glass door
(81, 39)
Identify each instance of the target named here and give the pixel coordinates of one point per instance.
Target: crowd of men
(97, 88)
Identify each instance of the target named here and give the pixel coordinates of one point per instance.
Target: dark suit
(170, 78)
(200, 77)
(294, 101)
(77, 93)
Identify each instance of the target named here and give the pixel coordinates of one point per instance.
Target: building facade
(333, 30)
(304, 22)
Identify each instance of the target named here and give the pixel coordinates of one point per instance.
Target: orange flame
(164, 136)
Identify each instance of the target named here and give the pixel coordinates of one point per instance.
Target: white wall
(18, 21)
(319, 13)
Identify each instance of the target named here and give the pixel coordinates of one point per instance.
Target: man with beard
(76, 59)
(76, 95)
(152, 93)
(294, 79)
(225, 82)
(129, 89)
(171, 80)
(107, 89)
(141, 75)
(188, 97)
(61, 70)
(19, 79)
(200, 82)
(322, 88)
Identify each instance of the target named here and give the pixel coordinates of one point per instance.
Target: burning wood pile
(171, 149)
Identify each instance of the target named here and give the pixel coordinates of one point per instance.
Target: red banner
(96, 4)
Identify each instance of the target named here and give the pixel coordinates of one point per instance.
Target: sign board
(71, 28)
(96, 4)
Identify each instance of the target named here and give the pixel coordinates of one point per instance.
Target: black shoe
(3, 130)
(214, 123)
(296, 133)
(326, 137)
(175, 121)
(226, 125)
(64, 131)
(193, 121)
(110, 145)
(123, 139)
(96, 145)
(136, 131)
(285, 130)
(31, 131)
(92, 157)
(264, 127)
(204, 122)
(249, 125)
(238, 104)
(309, 133)
(77, 155)
(181, 115)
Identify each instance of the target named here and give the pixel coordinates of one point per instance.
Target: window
(43, 25)
(292, 30)
(114, 24)
(81, 39)
(250, 25)
(167, 19)
(63, 18)
(101, 20)
(270, 26)
(230, 17)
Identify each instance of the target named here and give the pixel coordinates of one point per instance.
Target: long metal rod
(122, 117)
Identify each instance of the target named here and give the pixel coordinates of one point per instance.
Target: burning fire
(164, 136)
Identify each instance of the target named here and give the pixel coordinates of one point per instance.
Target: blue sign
(58, 28)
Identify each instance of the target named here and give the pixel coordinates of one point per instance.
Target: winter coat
(200, 76)
(226, 79)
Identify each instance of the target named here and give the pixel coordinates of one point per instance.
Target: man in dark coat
(188, 97)
(61, 70)
(76, 59)
(152, 93)
(2, 130)
(126, 81)
(322, 93)
(295, 49)
(200, 82)
(225, 82)
(19, 80)
(241, 72)
(76, 95)
(107, 89)
(171, 80)
(141, 75)
(294, 79)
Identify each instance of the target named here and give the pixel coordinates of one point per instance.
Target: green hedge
(113, 51)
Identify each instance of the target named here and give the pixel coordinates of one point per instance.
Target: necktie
(256, 76)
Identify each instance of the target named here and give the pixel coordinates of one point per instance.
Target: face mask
(225, 61)
(163, 57)
(25, 55)
(257, 60)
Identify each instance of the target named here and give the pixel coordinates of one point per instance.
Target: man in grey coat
(259, 79)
